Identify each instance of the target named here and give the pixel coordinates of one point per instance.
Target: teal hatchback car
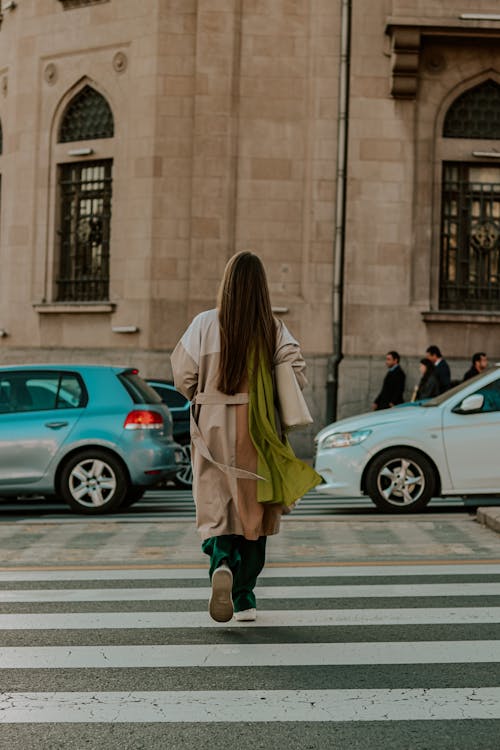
(97, 436)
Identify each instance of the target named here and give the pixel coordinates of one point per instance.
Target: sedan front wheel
(401, 480)
(93, 482)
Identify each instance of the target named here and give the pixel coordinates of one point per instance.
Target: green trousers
(244, 557)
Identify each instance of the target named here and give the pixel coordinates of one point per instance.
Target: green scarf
(285, 477)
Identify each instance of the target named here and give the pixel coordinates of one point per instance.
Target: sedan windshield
(438, 400)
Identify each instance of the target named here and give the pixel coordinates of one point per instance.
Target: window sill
(50, 308)
(460, 316)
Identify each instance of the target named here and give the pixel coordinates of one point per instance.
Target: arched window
(87, 117)
(475, 114)
(470, 223)
(85, 186)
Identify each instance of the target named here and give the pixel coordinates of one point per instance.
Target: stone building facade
(143, 143)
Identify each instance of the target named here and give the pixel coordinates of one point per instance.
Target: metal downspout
(340, 213)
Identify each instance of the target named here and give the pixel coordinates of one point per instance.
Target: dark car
(179, 408)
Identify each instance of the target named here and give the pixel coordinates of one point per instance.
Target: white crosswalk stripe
(263, 592)
(252, 706)
(55, 622)
(259, 655)
(275, 618)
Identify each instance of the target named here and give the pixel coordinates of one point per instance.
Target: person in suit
(479, 364)
(393, 385)
(441, 367)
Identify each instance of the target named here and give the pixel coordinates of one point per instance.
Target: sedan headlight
(344, 439)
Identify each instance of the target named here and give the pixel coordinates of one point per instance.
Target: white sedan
(402, 457)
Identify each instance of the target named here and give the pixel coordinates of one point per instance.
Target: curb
(489, 517)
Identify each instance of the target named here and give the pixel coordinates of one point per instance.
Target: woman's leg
(221, 549)
(253, 555)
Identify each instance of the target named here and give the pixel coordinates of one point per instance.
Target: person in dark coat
(441, 367)
(393, 385)
(428, 386)
(479, 364)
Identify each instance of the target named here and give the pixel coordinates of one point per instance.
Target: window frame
(71, 239)
(61, 154)
(464, 222)
(452, 150)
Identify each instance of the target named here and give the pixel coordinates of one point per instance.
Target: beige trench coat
(224, 458)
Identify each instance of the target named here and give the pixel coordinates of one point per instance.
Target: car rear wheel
(401, 480)
(184, 477)
(94, 482)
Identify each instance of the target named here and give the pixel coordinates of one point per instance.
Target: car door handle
(56, 425)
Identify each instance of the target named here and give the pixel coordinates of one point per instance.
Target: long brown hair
(246, 320)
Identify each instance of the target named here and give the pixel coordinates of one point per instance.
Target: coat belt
(200, 444)
(220, 398)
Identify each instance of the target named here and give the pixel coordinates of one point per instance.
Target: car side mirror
(471, 404)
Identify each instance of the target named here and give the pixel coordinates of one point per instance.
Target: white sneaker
(246, 615)
(220, 606)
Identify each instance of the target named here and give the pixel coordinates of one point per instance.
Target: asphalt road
(373, 631)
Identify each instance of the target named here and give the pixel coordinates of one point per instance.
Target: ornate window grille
(68, 4)
(470, 237)
(475, 113)
(85, 215)
(87, 117)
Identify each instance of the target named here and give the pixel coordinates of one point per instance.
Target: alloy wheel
(401, 482)
(92, 482)
(184, 477)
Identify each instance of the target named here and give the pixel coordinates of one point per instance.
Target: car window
(438, 400)
(491, 395)
(171, 397)
(38, 391)
(139, 391)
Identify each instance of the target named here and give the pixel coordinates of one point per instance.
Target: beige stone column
(214, 179)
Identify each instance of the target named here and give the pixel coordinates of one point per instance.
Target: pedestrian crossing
(178, 505)
(335, 645)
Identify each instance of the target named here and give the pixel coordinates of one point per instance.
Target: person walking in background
(428, 386)
(479, 364)
(394, 384)
(441, 367)
(245, 473)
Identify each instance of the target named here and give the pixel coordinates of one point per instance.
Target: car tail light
(143, 419)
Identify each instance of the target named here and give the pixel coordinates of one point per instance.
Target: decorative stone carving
(50, 73)
(408, 39)
(434, 61)
(120, 62)
(404, 60)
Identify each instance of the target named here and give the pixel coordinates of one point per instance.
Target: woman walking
(244, 471)
(428, 386)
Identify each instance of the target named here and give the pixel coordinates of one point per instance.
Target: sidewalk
(162, 543)
(489, 517)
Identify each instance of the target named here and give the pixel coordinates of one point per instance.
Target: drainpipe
(332, 384)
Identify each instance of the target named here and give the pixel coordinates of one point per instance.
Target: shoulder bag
(292, 406)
